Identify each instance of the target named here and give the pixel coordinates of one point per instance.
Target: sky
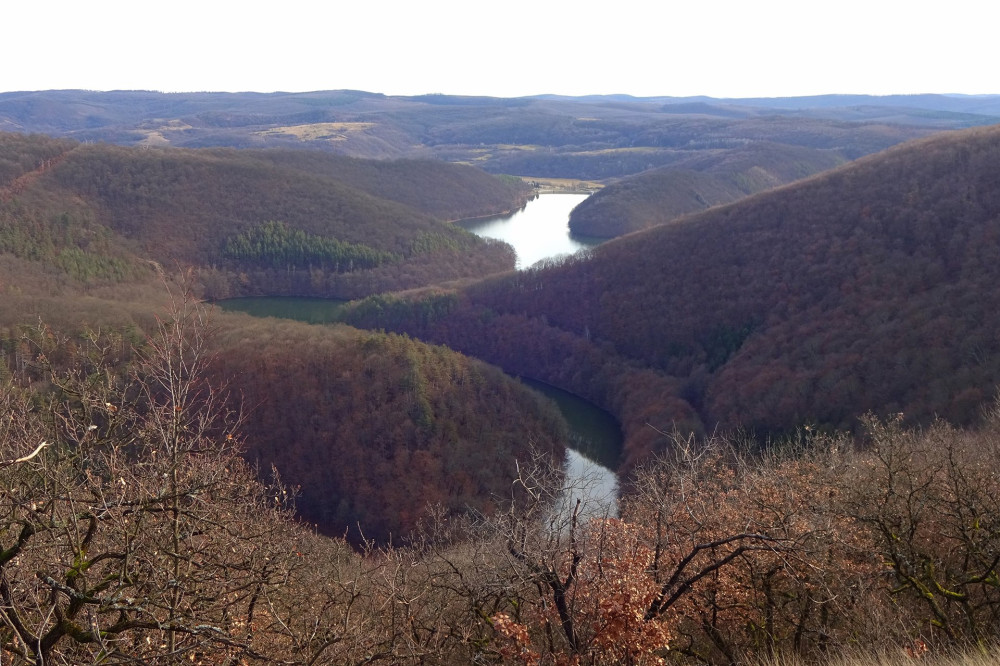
(506, 48)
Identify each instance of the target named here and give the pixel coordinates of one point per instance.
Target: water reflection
(595, 486)
(596, 442)
(538, 231)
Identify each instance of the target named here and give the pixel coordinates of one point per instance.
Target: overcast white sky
(722, 48)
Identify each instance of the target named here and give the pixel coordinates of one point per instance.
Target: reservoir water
(595, 450)
(595, 438)
(538, 231)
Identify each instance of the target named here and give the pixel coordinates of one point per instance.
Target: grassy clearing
(156, 136)
(318, 131)
(613, 151)
(174, 125)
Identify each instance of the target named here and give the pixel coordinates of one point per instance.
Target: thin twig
(8, 463)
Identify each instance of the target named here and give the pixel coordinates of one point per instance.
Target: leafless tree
(131, 530)
(930, 499)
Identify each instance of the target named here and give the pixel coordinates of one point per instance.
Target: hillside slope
(871, 287)
(369, 429)
(705, 179)
(89, 234)
(372, 429)
(348, 227)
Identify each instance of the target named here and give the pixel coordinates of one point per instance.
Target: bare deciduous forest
(804, 372)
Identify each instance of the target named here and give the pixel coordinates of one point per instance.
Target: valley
(325, 341)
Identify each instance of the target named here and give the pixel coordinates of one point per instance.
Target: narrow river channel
(538, 231)
(595, 450)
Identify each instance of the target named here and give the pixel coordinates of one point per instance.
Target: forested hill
(374, 428)
(443, 190)
(369, 429)
(281, 221)
(706, 178)
(872, 287)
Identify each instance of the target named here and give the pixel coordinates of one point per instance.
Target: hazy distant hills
(871, 287)
(596, 137)
(917, 104)
(693, 152)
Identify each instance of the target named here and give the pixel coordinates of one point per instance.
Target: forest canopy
(868, 288)
(275, 245)
(250, 222)
(183, 485)
(136, 532)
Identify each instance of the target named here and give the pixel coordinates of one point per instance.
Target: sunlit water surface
(538, 231)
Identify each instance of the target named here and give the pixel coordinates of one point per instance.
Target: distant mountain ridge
(592, 137)
(987, 104)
